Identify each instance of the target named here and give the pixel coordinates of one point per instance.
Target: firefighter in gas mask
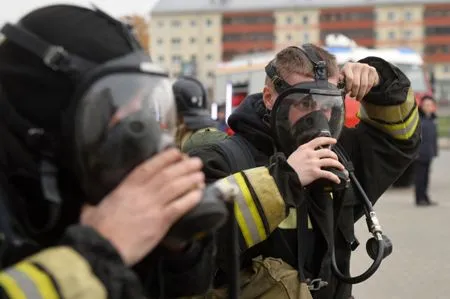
(193, 116)
(304, 178)
(90, 183)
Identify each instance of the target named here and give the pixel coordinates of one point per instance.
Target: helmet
(190, 96)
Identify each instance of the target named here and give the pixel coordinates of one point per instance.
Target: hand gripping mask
(306, 110)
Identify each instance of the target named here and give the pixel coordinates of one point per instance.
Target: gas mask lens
(137, 99)
(299, 117)
(122, 120)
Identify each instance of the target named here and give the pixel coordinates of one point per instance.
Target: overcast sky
(11, 11)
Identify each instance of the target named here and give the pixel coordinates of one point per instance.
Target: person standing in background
(428, 151)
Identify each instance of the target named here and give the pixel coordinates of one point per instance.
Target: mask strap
(49, 185)
(41, 142)
(54, 57)
(278, 82)
(320, 66)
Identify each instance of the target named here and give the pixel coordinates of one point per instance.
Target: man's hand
(359, 79)
(308, 162)
(138, 213)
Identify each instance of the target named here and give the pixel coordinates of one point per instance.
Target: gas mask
(307, 110)
(123, 112)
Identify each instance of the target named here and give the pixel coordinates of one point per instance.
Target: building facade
(194, 36)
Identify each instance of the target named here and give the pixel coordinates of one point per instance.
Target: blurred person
(427, 152)
(221, 118)
(193, 116)
(80, 215)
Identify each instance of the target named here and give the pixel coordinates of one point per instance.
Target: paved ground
(419, 267)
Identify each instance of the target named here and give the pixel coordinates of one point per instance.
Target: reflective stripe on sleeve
(11, 286)
(389, 114)
(268, 195)
(71, 272)
(247, 215)
(399, 121)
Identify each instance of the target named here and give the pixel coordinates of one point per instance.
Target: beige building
(188, 38)
(205, 32)
(296, 27)
(399, 26)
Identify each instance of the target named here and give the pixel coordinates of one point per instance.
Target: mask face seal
(307, 110)
(121, 120)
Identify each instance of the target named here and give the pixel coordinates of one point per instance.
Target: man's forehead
(295, 78)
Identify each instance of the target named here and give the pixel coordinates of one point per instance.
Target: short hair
(293, 60)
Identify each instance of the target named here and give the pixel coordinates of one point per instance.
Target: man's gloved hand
(139, 212)
(359, 79)
(308, 161)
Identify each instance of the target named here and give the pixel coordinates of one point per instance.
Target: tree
(140, 29)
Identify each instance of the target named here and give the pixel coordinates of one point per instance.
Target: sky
(12, 11)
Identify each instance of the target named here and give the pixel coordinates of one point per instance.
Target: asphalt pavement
(419, 267)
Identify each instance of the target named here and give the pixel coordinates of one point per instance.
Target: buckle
(54, 57)
(316, 284)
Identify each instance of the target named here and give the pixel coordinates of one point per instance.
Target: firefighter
(194, 117)
(296, 208)
(75, 219)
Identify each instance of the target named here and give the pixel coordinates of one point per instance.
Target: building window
(288, 37)
(439, 30)
(407, 34)
(209, 57)
(391, 16)
(446, 68)
(209, 40)
(305, 20)
(210, 74)
(248, 36)
(159, 41)
(176, 41)
(267, 19)
(305, 37)
(160, 24)
(192, 40)
(176, 59)
(391, 35)
(176, 23)
(193, 23)
(408, 16)
(208, 22)
(161, 59)
(288, 20)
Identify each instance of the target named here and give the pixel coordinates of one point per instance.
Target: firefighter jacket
(74, 261)
(273, 210)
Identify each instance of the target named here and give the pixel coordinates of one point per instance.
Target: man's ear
(267, 97)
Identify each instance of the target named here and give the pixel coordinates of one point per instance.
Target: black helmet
(191, 99)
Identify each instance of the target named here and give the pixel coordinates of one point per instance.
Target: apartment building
(193, 36)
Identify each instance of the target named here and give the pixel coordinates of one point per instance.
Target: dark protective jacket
(429, 145)
(74, 261)
(272, 203)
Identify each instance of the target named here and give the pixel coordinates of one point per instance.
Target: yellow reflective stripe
(11, 287)
(251, 205)
(402, 131)
(268, 195)
(291, 220)
(43, 283)
(247, 215)
(74, 281)
(389, 114)
(240, 219)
